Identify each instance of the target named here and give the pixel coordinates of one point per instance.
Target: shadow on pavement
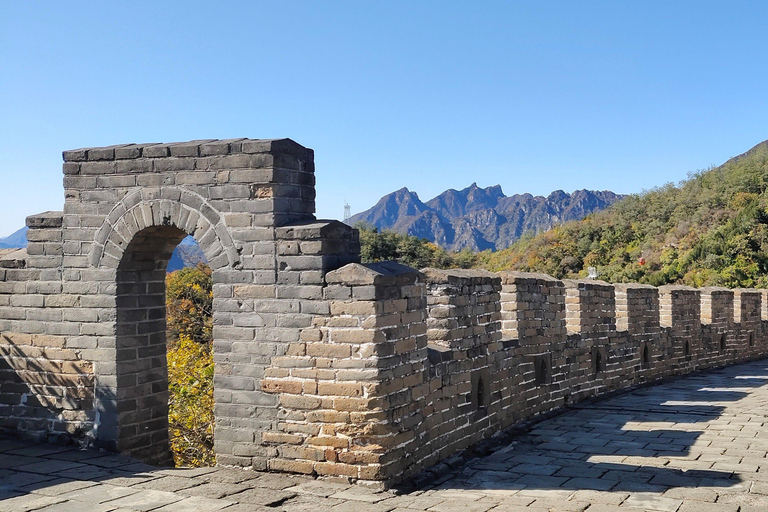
(641, 441)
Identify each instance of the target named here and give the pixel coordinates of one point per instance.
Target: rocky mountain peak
(479, 218)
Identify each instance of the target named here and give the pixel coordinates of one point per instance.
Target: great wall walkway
(696, 444)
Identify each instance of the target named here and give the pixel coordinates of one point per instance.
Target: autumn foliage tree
(189, 302)
(190, 416)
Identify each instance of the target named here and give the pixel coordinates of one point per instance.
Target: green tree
(409, 250)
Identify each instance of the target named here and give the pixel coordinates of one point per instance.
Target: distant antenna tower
(347, 210)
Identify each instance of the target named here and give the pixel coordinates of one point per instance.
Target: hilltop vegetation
(409, 250)
(711, 229)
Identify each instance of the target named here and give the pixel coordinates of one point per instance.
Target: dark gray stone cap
(633, 286)
(583, 284)
(382, 273)
(205, 147)
(13, 258)
(712, 290)
(672, 288)
(459, 276)
(746, 291)
(315, 230)
(46, 220)
(512, 277)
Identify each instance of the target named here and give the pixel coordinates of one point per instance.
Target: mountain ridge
(16, 240)
(479, 218)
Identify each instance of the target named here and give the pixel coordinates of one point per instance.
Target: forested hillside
(711, 229)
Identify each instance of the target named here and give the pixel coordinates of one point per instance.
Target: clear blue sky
(534, 96)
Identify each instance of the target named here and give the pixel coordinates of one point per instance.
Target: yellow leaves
(190, 415)
(189, 303)
(742, 199)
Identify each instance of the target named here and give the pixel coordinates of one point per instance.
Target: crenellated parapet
(505, 347)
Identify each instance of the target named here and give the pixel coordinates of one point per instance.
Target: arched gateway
(137, 240)
(96, 275)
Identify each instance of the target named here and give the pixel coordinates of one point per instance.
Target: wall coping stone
(203, 147)
(669, 288)
(50, 219)
(382, 273)
(13, 258)
(459, 276)
(584, 284)
(313, 229)
(714, 290)
(633, 286)
(513, 276)
(747, 291)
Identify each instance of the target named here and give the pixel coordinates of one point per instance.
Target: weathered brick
(281, 386)
(345, 389)
(291, 466)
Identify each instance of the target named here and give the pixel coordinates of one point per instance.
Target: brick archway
(136, 241)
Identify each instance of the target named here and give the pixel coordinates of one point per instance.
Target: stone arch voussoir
(163, 206)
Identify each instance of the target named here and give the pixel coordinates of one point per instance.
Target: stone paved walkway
(697, 444)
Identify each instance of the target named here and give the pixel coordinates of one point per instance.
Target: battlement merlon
(680, 308)
(637, 308)
(590, 307)
(312, 248)
(45, 239)
(716, 306)
(532, 307)
(379, 309)
(463, 307)
(747, 307)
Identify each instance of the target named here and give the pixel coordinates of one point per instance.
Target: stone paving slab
(696, 444)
